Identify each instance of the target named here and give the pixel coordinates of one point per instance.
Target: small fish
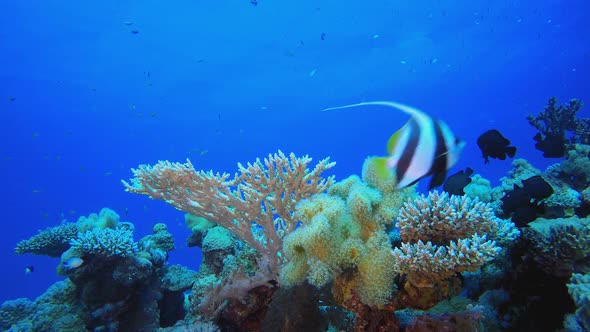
(375, 36)
(128, 23)
(134, 32)
(493, 144)
(323, 36)
(455, 183)
(29, 269)
(422, 147)
(553, 146)
(312, 73)
(254, 2)
(72, 263)
(11, 99)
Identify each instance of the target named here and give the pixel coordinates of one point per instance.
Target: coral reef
(579, 290)
(560, 247)
(121, 285)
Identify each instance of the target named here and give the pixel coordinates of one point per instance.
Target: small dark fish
(219, 116)
(254, 2)
(134, 32)
(493, 144)
(524, 202)
(29, 269)
(552, 146)
(11, 99)
(323, 36)
(455, 183)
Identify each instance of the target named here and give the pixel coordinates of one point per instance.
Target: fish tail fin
(511, 151)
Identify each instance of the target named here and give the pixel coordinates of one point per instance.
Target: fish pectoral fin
(393, 139)
(437, 179)
(381, 167)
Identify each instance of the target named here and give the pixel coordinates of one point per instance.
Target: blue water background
(83, 99)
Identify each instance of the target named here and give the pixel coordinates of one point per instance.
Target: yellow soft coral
(346, 230)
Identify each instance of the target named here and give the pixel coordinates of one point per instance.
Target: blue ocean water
(89, 90)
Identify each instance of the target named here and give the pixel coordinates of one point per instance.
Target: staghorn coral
(579, 290)
(105, 243)
(257, 204)
(443, 235)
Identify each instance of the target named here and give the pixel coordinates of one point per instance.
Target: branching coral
(257, 204)
(442, 217)
(443, 235)
(554, 123)
(105, 243)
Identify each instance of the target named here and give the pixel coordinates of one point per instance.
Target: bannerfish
(493, 144)
(72, 263)
(422, 147)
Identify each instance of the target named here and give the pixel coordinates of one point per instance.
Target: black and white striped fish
(422, 147)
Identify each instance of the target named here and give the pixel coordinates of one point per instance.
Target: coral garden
(287, 249)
